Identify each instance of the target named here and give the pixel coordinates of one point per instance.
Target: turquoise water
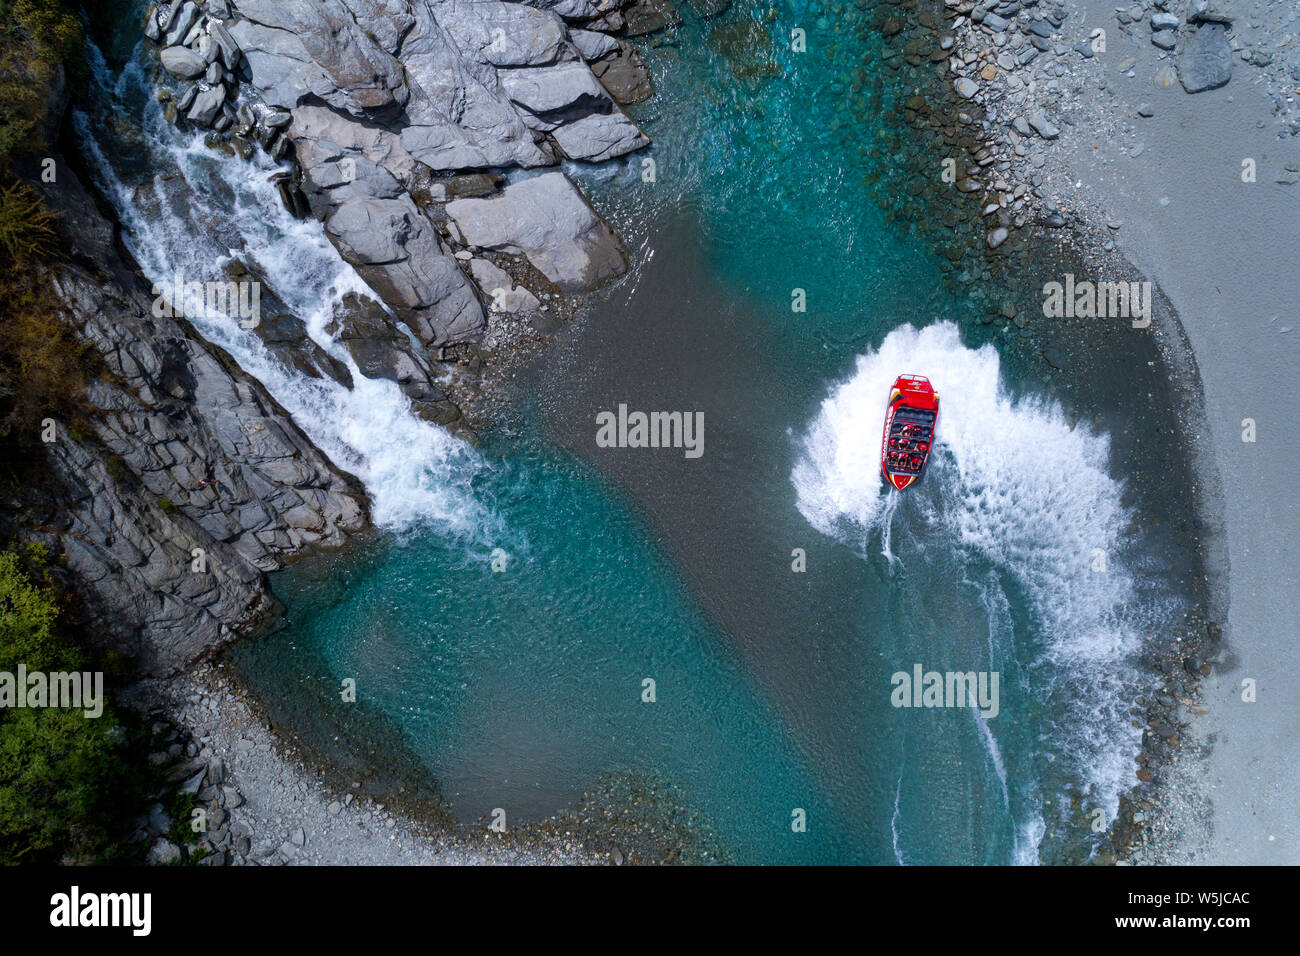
(519, 686)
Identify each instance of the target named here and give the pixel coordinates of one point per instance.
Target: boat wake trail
(887, 527)
(1020, 500)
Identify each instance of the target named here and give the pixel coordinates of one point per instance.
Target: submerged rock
(748, 49)
(623, 74)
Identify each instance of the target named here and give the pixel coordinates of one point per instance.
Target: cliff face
(193, 481)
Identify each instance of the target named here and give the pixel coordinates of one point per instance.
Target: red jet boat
(910, 422)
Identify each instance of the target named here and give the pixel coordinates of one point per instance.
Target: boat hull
(911, 421)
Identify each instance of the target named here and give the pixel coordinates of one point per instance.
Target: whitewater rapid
(1013, 486)
(198, 212)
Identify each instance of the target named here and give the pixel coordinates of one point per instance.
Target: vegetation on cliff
(67, 781)
(42, 367)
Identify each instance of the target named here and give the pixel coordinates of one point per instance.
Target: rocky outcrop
(385, 106)
(193, 480)
(547, 220)
(381, 351)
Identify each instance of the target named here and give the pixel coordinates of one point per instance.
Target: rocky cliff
(191, 481)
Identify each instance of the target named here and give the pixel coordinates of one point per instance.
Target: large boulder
(546, 219)
(396, 249)
(301, 48)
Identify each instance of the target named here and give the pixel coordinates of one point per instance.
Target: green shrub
(65, 780)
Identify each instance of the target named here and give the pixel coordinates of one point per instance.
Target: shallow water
(524, 591)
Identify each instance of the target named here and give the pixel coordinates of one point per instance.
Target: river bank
(1211, 211)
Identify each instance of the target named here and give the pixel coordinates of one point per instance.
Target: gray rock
(162, 852)
(1041, 28)
(397, 251)
(207, 105)
(503, 295)
(1164, 39)
(994, 22)
(592, 45)
(1210, 11)
(965, 86)
(182, 63)
(1043, 126)
(193, 784)
(1205, 62)
(182, 20)
(301, 48)
(547, 220)
(599, 136)
(623, 75)
(1164, 21)
(997, 236)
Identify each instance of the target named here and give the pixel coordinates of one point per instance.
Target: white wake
(1013, 485)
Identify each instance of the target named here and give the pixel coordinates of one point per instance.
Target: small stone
(997, 237)
(1042, 126)
(965, 87)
